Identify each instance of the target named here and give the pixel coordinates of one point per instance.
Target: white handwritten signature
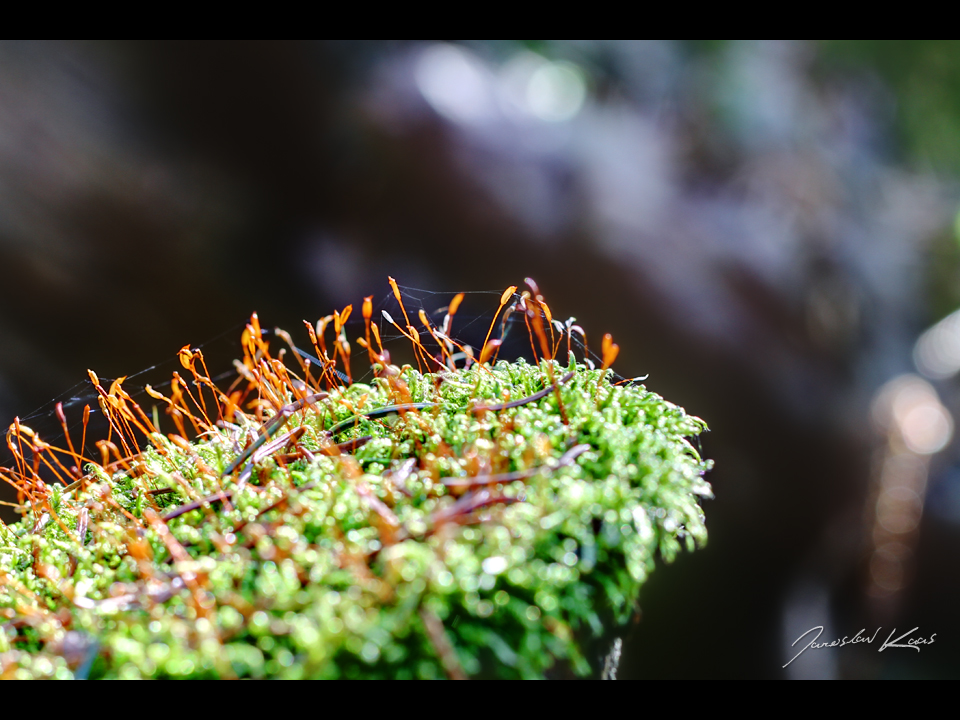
(860, 637)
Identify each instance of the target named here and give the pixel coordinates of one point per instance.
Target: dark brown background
(746, 219)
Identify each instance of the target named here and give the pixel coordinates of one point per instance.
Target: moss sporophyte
(473, 517)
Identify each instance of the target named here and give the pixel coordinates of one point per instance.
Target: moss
(441, 540)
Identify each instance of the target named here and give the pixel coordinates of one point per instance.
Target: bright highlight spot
(533, 87)
(556, 91)
(937, 352)
(494, 565)
(910, 405)
(455, 82)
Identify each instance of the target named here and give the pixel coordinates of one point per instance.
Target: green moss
(328, 566)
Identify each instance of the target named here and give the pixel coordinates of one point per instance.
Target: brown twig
(523, 401)
(437, 635)
(228, 494)
(196, 504)
(467, 505)
(481, 480)
(271, 426)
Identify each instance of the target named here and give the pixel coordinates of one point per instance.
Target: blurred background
(770, 230)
